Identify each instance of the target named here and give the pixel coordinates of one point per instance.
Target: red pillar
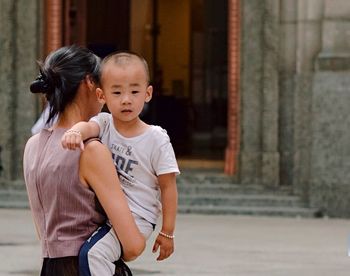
(233, 76)
(53, 25)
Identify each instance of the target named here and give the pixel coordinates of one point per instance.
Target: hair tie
(40, 85)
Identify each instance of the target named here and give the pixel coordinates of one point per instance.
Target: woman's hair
(61, 74)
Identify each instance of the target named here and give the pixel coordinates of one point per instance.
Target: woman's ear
(90, 82)
(149, 92)
(100, 95)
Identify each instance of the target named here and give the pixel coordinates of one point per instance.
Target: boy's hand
(72, 140)
(166, 246)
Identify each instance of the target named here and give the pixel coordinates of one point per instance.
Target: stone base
(270, 169)
(331, 199)
(259, 168)
(249, 168)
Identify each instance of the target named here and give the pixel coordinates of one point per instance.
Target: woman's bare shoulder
(94, 151)
(96, 165)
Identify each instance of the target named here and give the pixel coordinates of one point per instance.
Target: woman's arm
(98, 171)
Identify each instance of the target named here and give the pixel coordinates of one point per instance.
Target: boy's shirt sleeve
(164, 159)
(102, 119)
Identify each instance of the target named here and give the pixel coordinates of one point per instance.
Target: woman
(63, 185)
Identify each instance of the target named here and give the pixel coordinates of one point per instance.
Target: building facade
(258, 88)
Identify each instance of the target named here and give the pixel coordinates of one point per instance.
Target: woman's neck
(70, 116)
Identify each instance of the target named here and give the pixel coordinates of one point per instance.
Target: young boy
(143, 156)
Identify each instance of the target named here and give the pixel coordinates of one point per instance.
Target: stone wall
(301, 32)
(295, 99)
(20, 44)
(252, 22)
(260, 62)
(330, 156)
(330, 153)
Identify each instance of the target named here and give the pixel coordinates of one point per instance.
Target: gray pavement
(210, 245)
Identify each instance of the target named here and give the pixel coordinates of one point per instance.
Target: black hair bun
(39, 85)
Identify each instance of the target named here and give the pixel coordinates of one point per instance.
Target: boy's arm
(165, 239)
(75, 136)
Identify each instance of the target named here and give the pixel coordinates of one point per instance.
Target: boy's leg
(146, 228)
(98, 253)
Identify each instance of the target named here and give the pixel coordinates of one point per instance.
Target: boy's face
(125, 90)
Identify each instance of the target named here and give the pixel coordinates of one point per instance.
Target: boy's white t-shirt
(139, 160)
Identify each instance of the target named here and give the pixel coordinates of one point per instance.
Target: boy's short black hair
(116, 56)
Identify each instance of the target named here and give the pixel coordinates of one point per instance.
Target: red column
(53, 22)
(233, 76)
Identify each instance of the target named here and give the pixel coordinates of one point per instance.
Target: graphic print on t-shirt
(124, 164)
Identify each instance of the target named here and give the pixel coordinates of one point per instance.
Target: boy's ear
(149, 92)
(100, 95)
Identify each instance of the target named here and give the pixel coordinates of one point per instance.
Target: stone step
(12, 185)
(248, 210)
(200, 177)
(252, 200)
(230, 188)
(225, 200)
(14, 199)
(216, 193)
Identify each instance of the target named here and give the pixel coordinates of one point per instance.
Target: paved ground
(210, 245)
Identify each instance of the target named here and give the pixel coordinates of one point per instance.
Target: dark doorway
(108, 26)
(190, 65)
(185, 44)
(209, 78)
(103, 26)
